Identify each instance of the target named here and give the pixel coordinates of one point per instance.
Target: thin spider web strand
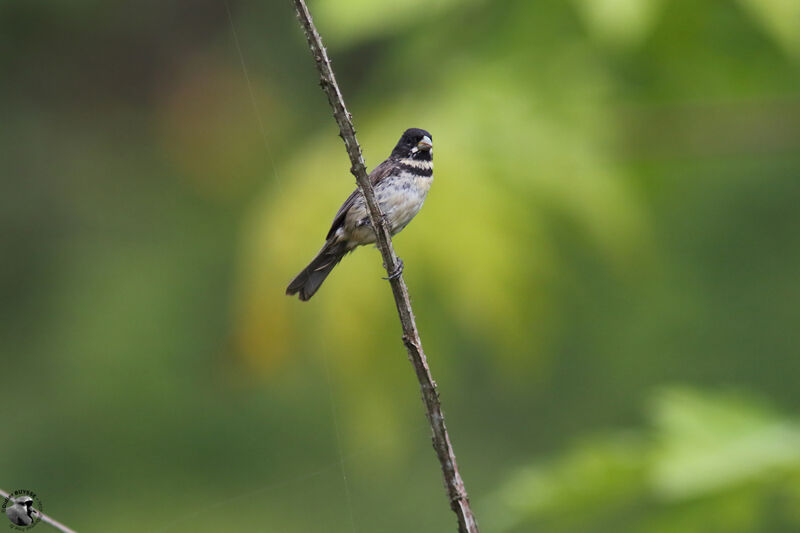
(261, 127)
(253, 100)
(338, 440)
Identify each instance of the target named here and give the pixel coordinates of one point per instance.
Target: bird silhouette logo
(22, 509)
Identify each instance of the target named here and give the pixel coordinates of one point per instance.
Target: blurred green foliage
(710, 462)
(613, 225)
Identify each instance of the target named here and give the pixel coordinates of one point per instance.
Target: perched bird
(22, 512)
(400, 184)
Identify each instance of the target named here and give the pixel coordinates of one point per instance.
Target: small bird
(22, 512)
(400, 183)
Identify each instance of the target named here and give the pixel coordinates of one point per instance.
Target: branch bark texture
(45, 518)
(459, 501)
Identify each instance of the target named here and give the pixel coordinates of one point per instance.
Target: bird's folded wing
(377, 174)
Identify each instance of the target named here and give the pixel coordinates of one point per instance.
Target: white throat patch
(424, 165)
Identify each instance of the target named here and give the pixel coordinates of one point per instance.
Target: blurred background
(605, 274)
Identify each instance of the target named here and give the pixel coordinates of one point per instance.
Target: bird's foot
(398, 270)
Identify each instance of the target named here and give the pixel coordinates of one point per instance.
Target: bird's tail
(306, 283)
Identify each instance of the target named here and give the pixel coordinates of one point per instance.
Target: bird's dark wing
(377, 174)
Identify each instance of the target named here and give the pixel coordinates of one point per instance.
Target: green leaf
(619, 23)
(709, 443)
(590, 481)
(780, 19)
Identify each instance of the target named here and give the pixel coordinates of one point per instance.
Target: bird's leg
(398, 270)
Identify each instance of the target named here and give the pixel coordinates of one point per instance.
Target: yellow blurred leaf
(781, 19)
(622, 23)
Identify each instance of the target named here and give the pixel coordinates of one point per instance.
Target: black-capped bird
(21, 513)
(400, 184)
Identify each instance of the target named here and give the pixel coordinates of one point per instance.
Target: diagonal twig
(46, 519)
(459, 501)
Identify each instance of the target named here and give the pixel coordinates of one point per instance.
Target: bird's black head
(416, 144)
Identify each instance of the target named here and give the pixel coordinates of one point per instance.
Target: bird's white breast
(400, 197)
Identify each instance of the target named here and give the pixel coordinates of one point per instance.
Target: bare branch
(459, 501)
(46, 519)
